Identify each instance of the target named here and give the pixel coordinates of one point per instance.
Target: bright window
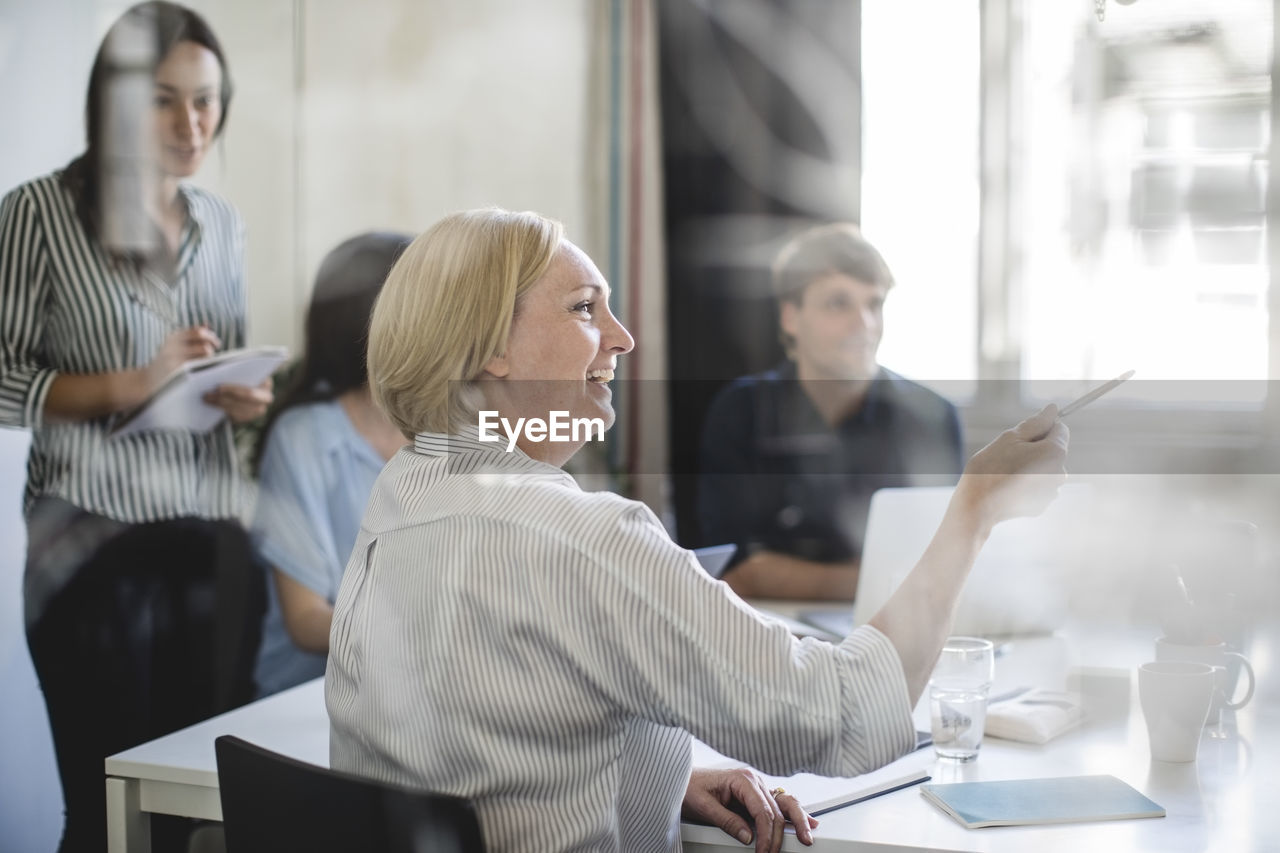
(920, 180)
(1114, 215)
(1139, 151)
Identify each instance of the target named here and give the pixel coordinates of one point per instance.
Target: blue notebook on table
(1018, 802)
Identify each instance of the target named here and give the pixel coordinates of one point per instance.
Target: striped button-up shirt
(67, 306)
(504, 636)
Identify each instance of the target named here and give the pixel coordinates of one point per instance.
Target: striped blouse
(67, 307)
(547, 652)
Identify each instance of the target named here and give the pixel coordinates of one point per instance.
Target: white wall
(30, 799)
(390, 117)
(415, 109)
(388, 114)
(45, 52)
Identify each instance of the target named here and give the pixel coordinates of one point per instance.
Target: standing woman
(113, 273)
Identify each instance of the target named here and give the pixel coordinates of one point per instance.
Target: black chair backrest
(272, 803)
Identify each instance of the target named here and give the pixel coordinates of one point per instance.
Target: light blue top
(315, 479)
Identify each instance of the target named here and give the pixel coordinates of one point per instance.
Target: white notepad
(178, 403)
(1017, 802)
(822, 794)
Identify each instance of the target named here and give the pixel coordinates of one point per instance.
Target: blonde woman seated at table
(319, 455)
(503, 636)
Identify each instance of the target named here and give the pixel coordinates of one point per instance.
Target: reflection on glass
(1142, 176)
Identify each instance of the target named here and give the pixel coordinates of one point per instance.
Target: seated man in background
(319, 455)
(791, 457)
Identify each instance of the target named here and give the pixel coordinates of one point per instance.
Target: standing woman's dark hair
(141, 598)
(337, 328)
(102, 178)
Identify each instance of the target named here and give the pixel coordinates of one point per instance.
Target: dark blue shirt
(775, 476)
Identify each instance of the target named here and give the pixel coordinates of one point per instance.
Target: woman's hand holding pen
(1017, 474)
(75, 397)
(184, 345)
(181, 346)
(720, 797)
(241, 402)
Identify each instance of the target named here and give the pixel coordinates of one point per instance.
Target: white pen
(1086, 399)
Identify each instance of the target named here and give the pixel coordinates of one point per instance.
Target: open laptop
(1019, 583)
(715, 558)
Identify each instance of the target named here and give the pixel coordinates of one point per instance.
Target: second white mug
(1217, 655)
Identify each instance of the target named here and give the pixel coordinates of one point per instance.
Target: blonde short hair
(836, 248)
(446, 310)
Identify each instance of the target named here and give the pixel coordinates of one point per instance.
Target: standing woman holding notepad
(113, 273)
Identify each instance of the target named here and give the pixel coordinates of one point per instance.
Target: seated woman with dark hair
(504, 636)
(319, 455)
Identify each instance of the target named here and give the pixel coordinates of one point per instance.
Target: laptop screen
(1018, 582)
(715, 558)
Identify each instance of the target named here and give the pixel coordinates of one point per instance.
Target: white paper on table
(178, 403)
(1036, 716)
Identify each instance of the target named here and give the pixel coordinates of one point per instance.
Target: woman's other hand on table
(721, 797)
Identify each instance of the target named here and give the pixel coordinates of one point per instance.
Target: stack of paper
(1036, 716)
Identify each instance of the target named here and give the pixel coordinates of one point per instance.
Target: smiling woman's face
(563, 346)
(186, 106)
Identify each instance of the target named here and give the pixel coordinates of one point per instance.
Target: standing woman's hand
(181, 346)
(721, 797)
(242, 403)
(77, 397)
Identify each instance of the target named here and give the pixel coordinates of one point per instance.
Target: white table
(178, 773)
(1215, 804)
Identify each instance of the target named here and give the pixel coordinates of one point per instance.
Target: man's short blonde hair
(446, 310)
(837, 248)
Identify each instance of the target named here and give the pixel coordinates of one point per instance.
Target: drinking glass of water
(958, 696)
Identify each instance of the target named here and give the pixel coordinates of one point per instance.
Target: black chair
(274, 804)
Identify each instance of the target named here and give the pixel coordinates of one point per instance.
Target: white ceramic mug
(1214, 654)
(1175, 697)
